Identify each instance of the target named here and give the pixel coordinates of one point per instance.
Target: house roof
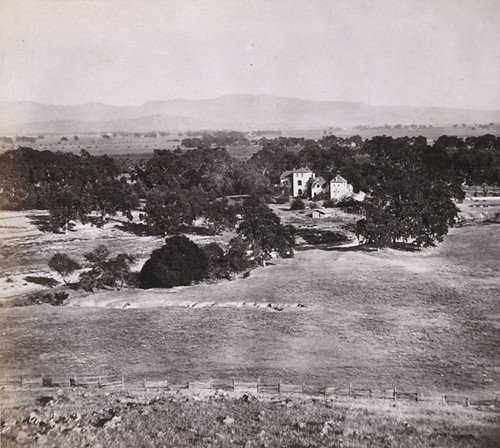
(338, 179)
(285, 174)
(317, 180)
(302, 170)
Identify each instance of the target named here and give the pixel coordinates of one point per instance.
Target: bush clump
(63, 265)
(106, 272)
(178, 263)
(298, 204)
(56, 299)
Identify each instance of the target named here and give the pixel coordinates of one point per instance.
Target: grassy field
(96, 145)
(72, 418)
(418, 320)
(430, 133)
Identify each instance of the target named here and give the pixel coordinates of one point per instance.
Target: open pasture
(431, 133)
(419, 320)
(97, 145)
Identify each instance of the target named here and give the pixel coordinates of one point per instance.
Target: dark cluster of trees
(411, 185)
(181, 262)
(260, 236)
(69, 186)
(476, 160)
(215, 138)
(181, 188)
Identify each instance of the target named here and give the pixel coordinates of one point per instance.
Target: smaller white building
(340, 188)
(317, 185)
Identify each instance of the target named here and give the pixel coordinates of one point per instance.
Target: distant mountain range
(239, 112)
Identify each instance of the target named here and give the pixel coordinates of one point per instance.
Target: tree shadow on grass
(138, 229)
(317, 237)
(403, 247)
(42, 223)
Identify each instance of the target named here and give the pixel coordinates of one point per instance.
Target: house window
(299, 182)
(300, 191)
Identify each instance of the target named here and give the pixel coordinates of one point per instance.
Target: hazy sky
(382, 52)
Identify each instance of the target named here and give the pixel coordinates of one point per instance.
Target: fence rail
(117, 382)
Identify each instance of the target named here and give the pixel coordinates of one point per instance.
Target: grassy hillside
(426, 320)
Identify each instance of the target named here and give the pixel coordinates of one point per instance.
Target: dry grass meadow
(426, 321)
(422, 320)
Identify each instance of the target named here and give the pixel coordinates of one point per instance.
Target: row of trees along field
(69, 186)
(411, 185)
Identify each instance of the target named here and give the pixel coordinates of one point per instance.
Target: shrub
(178, 263)
(63, 264)
(298, 204)
(330, 203)
(213, 252)
(236, 257)
(106, 272)
(216, 262)
(56, 299)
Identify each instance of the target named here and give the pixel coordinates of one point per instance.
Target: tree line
(69, 186)
(412, 186)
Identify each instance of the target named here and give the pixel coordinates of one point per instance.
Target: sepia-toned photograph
(249, 223)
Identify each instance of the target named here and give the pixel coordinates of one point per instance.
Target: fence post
(394, 393)
(349, 390)
(416, 395)
(233, 386)
(123, 382)
(258, 384)
(302, 388)
(279, 387)
(443, 398)
(467, 402)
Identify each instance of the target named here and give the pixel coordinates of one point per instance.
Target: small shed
(316, 214)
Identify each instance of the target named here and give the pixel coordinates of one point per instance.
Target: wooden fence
(117, 382)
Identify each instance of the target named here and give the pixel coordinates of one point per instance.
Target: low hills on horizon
(238, 112)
